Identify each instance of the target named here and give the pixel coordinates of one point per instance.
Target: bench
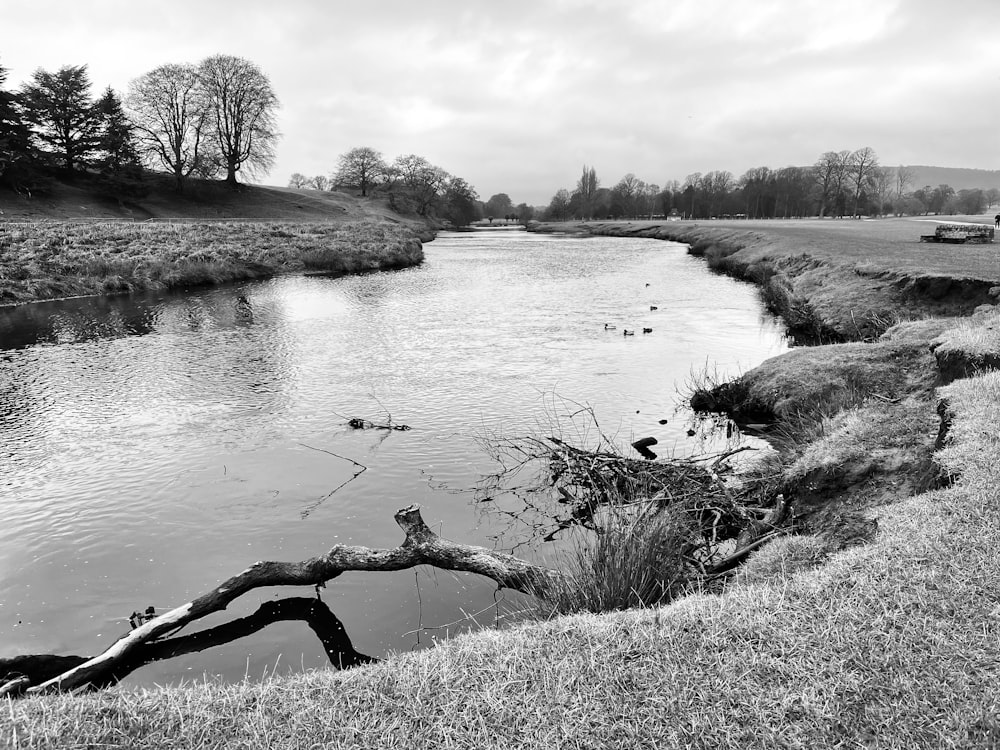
(960, 234)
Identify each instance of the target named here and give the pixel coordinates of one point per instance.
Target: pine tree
(64, 122)
(15, 149)
(116, 149)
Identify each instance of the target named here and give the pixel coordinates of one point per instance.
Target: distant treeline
(840, 183)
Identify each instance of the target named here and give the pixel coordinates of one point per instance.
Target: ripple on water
(154, 445)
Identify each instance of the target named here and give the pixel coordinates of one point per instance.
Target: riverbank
(48, 260)
(835, 280)
(819, 642)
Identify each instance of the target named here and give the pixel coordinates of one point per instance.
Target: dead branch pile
(723, 510)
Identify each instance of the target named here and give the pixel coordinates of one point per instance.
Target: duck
(627, 332)
(608, 327)
(647, 330)
(653, 307)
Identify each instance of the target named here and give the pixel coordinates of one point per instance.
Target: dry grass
(47, 260)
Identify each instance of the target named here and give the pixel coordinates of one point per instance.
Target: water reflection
(155, 445)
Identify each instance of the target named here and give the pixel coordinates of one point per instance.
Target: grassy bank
(819, 641)
(50, 260)
(836, 280)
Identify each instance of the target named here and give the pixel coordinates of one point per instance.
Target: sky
(516, 97)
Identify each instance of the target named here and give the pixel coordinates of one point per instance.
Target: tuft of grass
(633, 557)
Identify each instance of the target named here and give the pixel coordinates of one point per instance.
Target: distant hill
(959, 179)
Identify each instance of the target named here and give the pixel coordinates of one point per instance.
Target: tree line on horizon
(840, 183)
(212, 120)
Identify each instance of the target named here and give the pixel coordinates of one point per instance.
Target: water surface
(153, 446)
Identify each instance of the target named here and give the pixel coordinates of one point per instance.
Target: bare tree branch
(420, 547)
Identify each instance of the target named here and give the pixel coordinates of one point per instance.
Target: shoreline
(48, 261)
(875, 626)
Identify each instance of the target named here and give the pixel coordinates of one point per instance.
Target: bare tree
(586, 189)
(360, 168)
(319, 182)
(170, 112)
(881, 182)
(861, 167)
(243, 108)
(298, 180)
(904, 178)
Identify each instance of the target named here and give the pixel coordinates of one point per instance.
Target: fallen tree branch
(20, 672)
(420, 547)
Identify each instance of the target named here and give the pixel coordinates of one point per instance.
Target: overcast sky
(517, 96)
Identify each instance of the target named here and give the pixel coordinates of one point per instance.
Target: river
(152, 446)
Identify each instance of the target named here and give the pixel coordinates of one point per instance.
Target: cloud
(516, 97)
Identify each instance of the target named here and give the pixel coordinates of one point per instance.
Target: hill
(201, 200)
(959, 179)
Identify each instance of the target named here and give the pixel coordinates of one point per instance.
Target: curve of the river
(152, 446)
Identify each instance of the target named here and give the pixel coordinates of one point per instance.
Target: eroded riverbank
(40, 261)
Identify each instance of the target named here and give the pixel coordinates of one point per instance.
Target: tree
(298, 180)
(461, 204)
(586, 192)
(498, 205)
(64, 122)
(861, 167)
(116, 149)
(171, 115)
(626, 194)
(15, 147)
(904, 178)
(243, 108)
(558, 208)
(524, 213)
(414, 184)
(830, 173)
(360, 168)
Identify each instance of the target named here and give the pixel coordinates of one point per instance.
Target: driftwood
(150, 639)
(20, 672)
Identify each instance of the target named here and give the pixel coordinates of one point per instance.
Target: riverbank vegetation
(49, 260)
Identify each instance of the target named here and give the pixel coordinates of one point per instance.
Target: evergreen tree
(116, 149)
(15, 149)
(64, 121)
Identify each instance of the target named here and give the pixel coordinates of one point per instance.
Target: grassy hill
(201, 200)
